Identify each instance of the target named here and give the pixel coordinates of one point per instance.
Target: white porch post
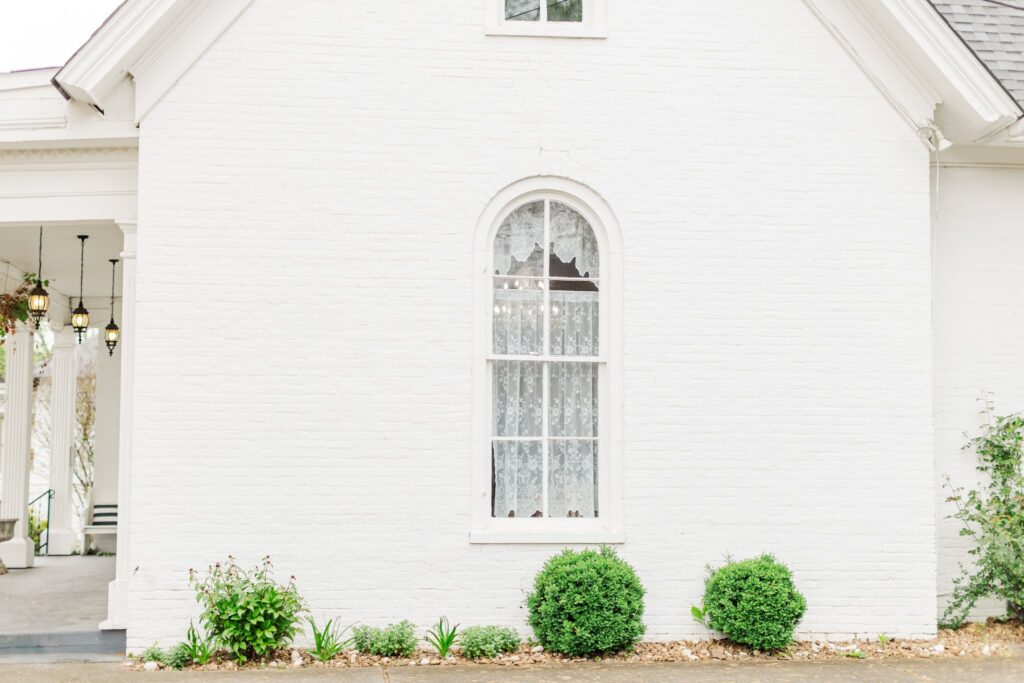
(19, 552)
(63, 386)
(117, 595)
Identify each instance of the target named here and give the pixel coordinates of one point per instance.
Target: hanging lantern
(112, 333)
(38, 298)
(80, 316)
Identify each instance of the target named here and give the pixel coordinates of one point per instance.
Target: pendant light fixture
(38, 298)
(80, 316)
(111, 334)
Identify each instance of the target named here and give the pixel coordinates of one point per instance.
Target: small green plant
(178, 657)
(442, 636)
(394, 640)
(247, 612)
(328, 642)
(753, 602)
(883, 639)
(200, 650)
(488, 641)
(854, 654)
(153, 653)
(993, 517)
(698, 614)
(587, 602)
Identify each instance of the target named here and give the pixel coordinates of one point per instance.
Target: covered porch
(68, 173)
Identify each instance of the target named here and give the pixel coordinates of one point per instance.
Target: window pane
(575, 320)
(522, 10)
(517, 479)
(565, 10)
(518, 246)
(574, 249)
(517, 391)
(572, 408)
(572, 479)
(518, 317)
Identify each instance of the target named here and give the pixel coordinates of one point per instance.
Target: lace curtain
(519, 244)
(518, 391)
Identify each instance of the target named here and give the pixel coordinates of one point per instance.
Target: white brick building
(804, 268)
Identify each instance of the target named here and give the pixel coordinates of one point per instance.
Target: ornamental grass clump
(753, 602)
(587, 602)
(993, 518)
(487, 641)
(394, 640)
(247, 612)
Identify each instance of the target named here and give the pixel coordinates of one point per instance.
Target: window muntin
(544, 364)
(544, 10)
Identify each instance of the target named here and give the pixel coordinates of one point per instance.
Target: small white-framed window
(547, 436)
(553, 18)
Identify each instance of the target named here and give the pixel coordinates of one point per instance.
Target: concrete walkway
(990, 670)
(58, 595)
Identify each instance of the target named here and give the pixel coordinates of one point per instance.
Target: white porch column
(117, 595)
(63, 388)
(19, 552)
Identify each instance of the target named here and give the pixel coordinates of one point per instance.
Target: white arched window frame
(607, 527)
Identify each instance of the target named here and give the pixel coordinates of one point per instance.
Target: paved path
(59, 594)
(992, 670)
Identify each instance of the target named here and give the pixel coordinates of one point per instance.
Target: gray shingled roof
(995, 32)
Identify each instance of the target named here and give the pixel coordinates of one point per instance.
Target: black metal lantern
(112, 333)
(80, 316)
(38, 298)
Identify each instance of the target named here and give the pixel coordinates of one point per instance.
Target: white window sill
(547, 29)
(547, 537)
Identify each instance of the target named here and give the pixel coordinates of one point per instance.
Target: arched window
(546, 365)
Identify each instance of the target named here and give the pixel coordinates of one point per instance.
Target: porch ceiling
(19, 245)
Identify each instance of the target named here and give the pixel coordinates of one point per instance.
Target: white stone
(425, 661)
(939, 648)
(151, 666)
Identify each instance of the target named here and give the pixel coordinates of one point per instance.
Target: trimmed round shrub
(587, 602)
(754, 603)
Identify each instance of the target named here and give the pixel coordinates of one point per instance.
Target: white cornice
(957, 63)
(97, 69)
(154, 42)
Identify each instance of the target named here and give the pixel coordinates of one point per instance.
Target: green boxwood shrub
(394, 640)
(487, 641)
(754, 603)
(587, 602)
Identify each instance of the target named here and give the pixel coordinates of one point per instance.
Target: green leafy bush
(153, 653)
(394, 640)
(993, 518)
(488, 641)
(247, 612)
(178, 657)
(587, 602)
(753, 602)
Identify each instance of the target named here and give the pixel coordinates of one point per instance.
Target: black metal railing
(36, 505)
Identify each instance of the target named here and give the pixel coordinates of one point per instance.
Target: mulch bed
(992, 638)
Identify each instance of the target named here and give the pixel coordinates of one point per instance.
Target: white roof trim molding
(919, 64)
(153, 42)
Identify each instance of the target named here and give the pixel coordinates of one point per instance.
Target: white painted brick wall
(308, 197)
(979, 334)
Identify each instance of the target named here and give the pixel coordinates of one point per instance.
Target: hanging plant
(14, 305)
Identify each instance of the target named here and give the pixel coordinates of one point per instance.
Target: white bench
(102, 521)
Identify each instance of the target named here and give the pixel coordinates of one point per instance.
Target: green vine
(993, 516)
